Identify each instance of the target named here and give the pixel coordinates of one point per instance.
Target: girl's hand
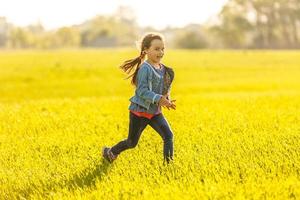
(163, 101)
(173, 106)
(166, 103)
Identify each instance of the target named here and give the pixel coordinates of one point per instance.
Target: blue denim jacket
(149, 89)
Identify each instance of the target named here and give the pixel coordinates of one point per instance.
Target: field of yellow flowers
(236, 127)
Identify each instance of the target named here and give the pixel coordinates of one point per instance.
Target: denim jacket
(151, 85)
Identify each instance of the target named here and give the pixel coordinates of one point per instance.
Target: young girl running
(153, 81)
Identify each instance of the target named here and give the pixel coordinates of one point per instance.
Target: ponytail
(129, 65)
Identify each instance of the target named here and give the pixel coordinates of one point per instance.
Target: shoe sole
(103, 154)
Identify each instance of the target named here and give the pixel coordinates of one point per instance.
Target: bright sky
(156, 13)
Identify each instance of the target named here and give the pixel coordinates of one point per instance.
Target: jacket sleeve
(171, 74)
(169, 93)
(142, 89)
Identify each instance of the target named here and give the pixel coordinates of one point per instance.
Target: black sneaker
(108, 155)
(168, 160)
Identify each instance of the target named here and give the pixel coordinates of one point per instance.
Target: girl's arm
(143, 87)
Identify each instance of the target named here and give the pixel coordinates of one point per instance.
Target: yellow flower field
(236, 127)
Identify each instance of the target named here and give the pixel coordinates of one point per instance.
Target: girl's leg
(160, 125)
(136, 126)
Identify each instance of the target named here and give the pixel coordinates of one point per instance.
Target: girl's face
(155, 51)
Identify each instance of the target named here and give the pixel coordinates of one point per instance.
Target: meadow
(236, 127)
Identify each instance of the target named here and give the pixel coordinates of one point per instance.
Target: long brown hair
(129, 65)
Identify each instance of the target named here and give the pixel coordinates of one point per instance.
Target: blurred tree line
(118, 29)
(240, 24)
(259, 24)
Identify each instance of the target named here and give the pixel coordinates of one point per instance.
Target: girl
(153, 81)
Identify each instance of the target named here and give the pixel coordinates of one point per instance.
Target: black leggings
(137, 125)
